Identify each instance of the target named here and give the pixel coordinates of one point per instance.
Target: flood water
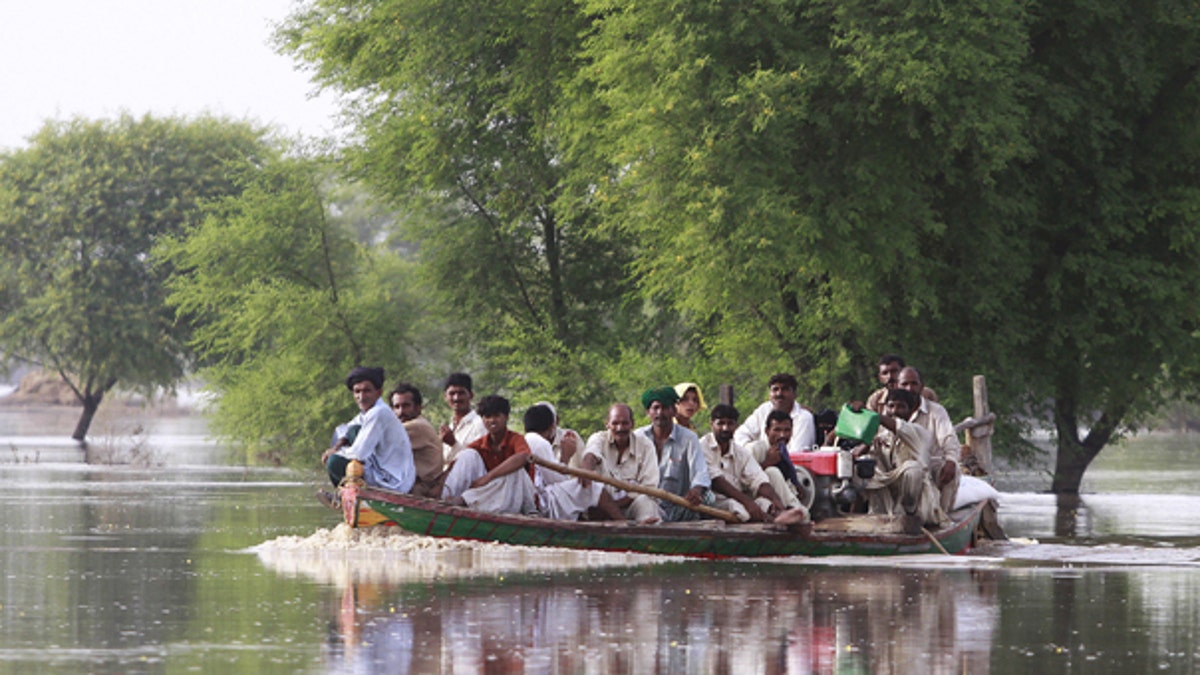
(157, 555)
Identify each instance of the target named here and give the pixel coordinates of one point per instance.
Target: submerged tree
(81, 208)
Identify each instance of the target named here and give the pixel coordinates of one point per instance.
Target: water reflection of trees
(685, 617)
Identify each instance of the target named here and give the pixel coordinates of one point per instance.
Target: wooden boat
(861, 535)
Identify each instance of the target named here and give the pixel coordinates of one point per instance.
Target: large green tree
(1113, 240)
(286, 302)
(81, 208)
(1008, 187)
(460, 111)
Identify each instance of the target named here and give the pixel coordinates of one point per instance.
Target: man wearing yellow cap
(691, 401)
(682, 469)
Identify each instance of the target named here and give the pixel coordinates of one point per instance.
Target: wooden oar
(634, 487)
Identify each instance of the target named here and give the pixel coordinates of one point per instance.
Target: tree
(1113, 243)
(286, 303)
(81, 209)
(810, 156)
(1004, 179)
(462, 110)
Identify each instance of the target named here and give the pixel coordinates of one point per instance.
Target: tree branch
(495, 230)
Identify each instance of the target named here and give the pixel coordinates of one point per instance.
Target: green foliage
(1000, 186)
(603, 195)
(803, 153)
(81, 209)
(460, 108)
(286, 303)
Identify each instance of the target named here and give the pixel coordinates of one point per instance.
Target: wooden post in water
(980, 437)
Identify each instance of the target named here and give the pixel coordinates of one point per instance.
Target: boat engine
(826, 486)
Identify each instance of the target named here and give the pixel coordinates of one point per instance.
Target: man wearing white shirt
(466, 426)
(740, 484)
(374, 437)
(560, 497)
(619, 453)
(783, 397)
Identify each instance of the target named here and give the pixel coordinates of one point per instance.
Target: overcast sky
(97, 58)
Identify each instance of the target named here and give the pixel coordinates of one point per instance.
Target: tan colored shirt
(936, 420)
(737, 466)
(638, 464)
(426, 447)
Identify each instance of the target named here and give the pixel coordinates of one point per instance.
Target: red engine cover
(818, 463)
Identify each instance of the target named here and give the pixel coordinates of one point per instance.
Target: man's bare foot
(792, 516)
(652, 520)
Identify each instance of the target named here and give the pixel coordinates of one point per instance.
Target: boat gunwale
(742, 532)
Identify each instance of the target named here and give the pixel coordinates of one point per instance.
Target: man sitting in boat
(493, 472)
(739, 483)
(681, 466)
(558, 496)
(771, 453)
(782, 388)
(890, 366)
(901, 485)
(567, 444)
(691, 401)
(619, 453)
(465, 424)
(426, 445)
(943, 458)
(374, 437)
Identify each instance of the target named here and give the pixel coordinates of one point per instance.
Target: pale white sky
(97, 58)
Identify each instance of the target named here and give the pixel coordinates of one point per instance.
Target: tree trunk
(1075, 454)
(1072, 461)
(91, 403)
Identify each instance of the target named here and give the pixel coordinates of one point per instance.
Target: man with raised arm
(619, 453)
(782, 387)
(406, 403)
(465, 424)
(681, 467)
(901, 485)
(493, 472)
(771, 455)
(740, 484)
(567, 444)
(944, 455)
(374, 437)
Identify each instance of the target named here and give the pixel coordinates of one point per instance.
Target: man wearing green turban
(664, 395)
(682, 469)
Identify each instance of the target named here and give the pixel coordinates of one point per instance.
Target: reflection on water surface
(174, 566)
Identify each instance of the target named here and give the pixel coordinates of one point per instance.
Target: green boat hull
(704, 539)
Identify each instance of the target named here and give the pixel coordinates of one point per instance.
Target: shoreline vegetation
(40, 389)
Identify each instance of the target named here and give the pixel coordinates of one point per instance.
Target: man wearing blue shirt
(375, 437)
(682, 469)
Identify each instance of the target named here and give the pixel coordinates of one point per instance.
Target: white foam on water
(385, 554)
